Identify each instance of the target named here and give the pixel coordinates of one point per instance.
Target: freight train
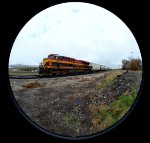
(56, 64)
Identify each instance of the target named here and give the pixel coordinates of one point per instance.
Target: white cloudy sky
(79, 30)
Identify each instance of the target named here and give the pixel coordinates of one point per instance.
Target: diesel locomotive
(56, 64)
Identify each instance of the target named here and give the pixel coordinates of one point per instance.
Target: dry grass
(85, 79)
(109, 78)
(113, 74)
(32, 85)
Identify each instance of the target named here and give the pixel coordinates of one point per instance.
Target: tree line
(132, 64)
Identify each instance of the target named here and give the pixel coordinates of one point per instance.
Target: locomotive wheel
(58, 72)
(50, 72)
(65, 72)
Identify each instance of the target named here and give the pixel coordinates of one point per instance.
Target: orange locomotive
(55, 64)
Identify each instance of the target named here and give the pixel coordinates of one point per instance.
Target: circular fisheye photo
(75, 69)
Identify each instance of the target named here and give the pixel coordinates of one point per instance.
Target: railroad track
(24, 77)
(37, 76)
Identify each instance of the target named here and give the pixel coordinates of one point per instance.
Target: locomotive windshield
(53, 56)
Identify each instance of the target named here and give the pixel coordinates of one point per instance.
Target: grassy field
(22, 73)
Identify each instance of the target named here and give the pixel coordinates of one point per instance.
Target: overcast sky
(79, 30)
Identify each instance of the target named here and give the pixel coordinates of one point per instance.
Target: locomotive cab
(53, 56)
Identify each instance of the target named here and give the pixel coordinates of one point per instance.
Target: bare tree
(132, 64)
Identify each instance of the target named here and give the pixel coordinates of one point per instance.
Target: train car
(95, 67)
(98, 68)
(56, 64)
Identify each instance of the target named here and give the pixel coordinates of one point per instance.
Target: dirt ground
(61, 104)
